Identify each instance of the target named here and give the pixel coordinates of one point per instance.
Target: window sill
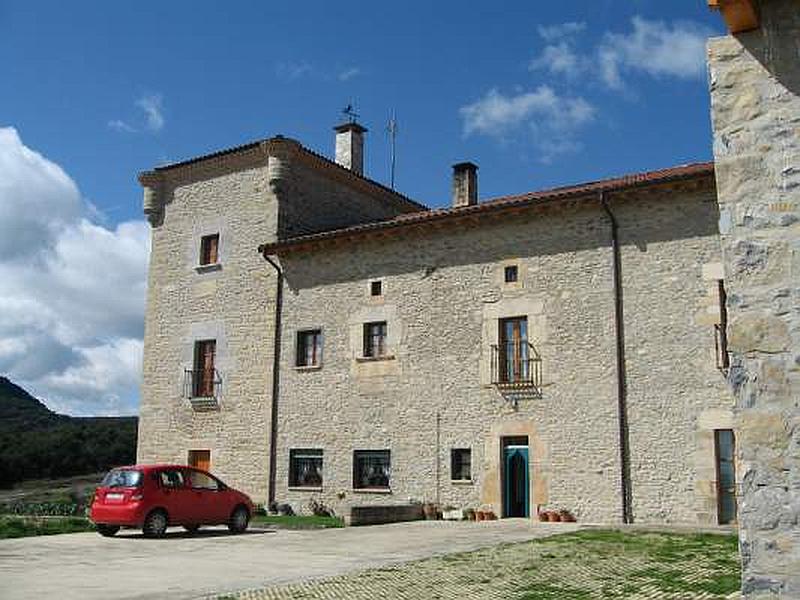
(372, 491)
(302, 488)
(208, 268)
(307, 367)
(462, 481)
(366, 359)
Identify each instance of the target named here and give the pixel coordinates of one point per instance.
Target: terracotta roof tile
(682, 172)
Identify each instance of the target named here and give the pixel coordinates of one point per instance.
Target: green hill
(36, 443)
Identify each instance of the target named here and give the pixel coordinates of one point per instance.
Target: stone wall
(755, 106)
(237, 196)
(443, 293)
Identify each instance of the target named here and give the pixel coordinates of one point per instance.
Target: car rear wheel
(107, 530)
(155, 524)
(191, 528)
(240, 518)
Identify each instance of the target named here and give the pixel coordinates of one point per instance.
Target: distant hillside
(37, 443)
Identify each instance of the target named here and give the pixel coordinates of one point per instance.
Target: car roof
(153, 467)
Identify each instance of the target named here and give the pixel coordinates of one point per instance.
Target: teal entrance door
(515, 488)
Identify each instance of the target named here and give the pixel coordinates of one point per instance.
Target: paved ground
(87, 566)
(588, 565)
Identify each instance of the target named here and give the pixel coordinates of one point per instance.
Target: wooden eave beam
(739, 15)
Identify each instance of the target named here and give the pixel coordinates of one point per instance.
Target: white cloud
(350, 73)
(152, 105)
(293, 69)
(120, 125)
(71, 291)
(655, 48)
(549, 120)
(552, 33)
(559, 59)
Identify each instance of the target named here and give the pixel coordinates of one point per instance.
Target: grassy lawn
(296, 522)
(15, 527)
(592, 564)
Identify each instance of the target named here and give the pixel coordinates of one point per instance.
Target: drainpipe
(622, 388)
(276, 359)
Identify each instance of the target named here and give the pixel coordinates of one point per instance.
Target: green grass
(585, 565)
(297, 521)
(16, 527)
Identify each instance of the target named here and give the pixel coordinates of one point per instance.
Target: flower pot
(543, 516)
(553, 516)
(480, 515)
(566, 516)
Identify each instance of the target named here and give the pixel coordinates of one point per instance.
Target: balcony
(516, 366)
(201, 387)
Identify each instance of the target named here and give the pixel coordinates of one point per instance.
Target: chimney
(465, 184)
(350, 146)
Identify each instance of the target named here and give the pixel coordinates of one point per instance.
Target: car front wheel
(107, 530)
(239, 520)
(155, 525)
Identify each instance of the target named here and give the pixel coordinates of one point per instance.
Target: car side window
(202, 481)
(171, 479)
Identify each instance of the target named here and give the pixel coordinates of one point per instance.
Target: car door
(208, 500)
(172, 492)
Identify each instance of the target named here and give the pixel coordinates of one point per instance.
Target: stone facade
(237, 195)
(444, 289)
(755, 101)
(443, 294)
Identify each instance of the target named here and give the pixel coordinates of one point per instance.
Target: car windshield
(122, 478)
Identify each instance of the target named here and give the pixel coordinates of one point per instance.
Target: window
(209, 249)
(371, 469)
(309, 348)
(122, 478)
(514, 363)
(375, 288)
(461, 464)
(375, 339)
(171, 478)
(721, 329)
(511, 273)
(200, 459)
(204, 373)
(202, 481)
(305, 468)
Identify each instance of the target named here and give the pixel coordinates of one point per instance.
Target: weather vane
(350, 113)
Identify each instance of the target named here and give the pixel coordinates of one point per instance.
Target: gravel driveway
(87, 566)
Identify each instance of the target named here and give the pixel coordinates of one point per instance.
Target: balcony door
(514, 349)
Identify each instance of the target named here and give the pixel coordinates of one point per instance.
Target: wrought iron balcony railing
(517, 365)
(201, 386)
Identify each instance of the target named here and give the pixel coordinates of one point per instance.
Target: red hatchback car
(154, 497)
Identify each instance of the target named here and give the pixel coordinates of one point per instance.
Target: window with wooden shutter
(209, 249)
(204, 373)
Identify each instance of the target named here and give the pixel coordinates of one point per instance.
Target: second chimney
(350, 146)
(465, 184)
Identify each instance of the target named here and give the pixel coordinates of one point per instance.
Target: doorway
(516, 502)
(725, 446)
(200, 459)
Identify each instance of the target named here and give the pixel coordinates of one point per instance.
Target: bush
(44, 509)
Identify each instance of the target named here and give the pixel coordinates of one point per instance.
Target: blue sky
(537, 94)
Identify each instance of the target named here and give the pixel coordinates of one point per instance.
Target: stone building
(561, 349)
(755, 108)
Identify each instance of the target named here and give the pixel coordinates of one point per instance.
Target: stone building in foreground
(561, 348)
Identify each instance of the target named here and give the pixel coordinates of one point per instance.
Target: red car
(154, 497)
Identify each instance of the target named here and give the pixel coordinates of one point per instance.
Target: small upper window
(309, 348)
(375, 339)
(375, 288)
(511, 274)
(209, 249)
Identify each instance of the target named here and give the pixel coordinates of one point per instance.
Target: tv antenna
(350, 113)
(391, 129)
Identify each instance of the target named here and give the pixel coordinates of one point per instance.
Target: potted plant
(430, 510)
(541, 514)
(450, 513)
(566, 516)
(469, 514)
(553, 516)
